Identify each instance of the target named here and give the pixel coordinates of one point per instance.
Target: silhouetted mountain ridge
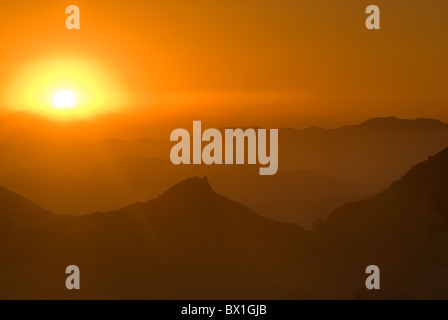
(17, 211)
(187, 243)
(194, 188)
(396, 124)
(420, 194)
(403, 230)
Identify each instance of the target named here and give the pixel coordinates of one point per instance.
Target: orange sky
(234, 62)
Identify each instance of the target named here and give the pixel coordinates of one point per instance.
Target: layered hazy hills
(298, 197)
(377, 150)
(374, 151)
(191, 242)
(319, 169)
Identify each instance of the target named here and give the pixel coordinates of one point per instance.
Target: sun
(66, 88)
(64, 99)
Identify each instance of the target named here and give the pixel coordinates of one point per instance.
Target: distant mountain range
(298, 197)
(191, 243)
(378, 150)
(320, 169)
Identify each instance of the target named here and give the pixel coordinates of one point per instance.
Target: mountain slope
(188, 243)
(404, 230)
(299, 197)
(17, 211)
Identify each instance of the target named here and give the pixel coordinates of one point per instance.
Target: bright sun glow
(64, 99)
(66, 89)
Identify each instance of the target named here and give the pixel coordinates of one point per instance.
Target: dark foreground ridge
(192, 243)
